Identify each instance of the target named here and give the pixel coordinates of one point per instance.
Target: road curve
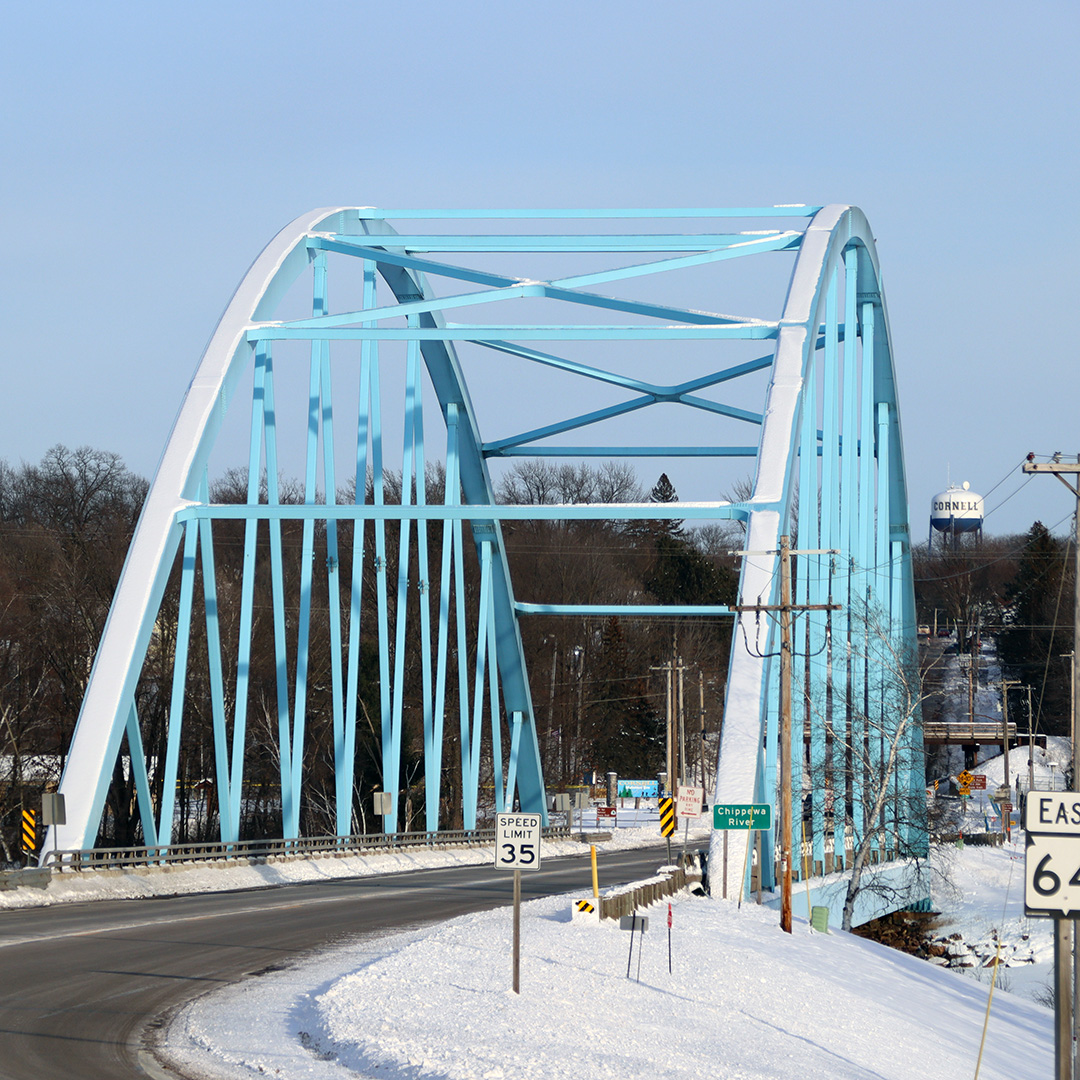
(80, 983)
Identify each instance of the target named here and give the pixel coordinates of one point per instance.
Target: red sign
(605, 812)
(978, 781)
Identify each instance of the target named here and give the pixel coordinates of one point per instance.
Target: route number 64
(1052, 874)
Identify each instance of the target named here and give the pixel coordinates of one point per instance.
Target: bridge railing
(171, 854)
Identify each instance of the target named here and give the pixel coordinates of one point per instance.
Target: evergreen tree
(627, 731)
(663, 491)
(1039, 628)
(684, 575)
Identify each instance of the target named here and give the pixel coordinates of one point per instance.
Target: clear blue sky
(150, 150)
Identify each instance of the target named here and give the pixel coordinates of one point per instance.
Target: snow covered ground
(743, 1001)
(980, 890)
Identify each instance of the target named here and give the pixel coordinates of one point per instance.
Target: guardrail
(172, 854)
(966, 731)
(33, 878)
(626, 901)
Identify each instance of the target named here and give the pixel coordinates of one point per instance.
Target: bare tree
(872, 761)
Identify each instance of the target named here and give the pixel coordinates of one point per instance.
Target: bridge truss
(361, 298)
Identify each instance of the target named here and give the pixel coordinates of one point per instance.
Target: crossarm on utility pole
(785, 608)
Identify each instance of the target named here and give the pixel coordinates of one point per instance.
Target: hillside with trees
(599, 684)
(598, 690)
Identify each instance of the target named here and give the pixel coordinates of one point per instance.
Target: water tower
(956, 511)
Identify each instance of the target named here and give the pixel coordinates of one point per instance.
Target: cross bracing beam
(479, 334)
(580, 242)
(796, 210)
(354, 604)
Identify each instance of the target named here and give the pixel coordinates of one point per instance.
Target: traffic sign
(1053, 812)
(1052, 875)
(517, 841)
(667, 816)
(965, 778)
(1052, 857)
(688, 803)
(742, 816)
(978, 782)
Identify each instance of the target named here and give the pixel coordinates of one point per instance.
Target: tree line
(1018, 590)
(598, 684)
(597, 687)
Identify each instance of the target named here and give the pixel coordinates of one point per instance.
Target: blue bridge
(341, 333)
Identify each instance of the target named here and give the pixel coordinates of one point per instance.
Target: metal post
(517, 931)
(758, 860)
(1063, 1012)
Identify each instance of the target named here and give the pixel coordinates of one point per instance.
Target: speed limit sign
(1052, 858)
(517, 841)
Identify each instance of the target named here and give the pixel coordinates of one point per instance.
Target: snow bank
(744, 1001)
(77, 886)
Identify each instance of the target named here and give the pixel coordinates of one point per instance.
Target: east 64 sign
(1052, 858)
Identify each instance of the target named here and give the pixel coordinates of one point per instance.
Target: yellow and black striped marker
(29, 831)
(667, 816)
(584, 905)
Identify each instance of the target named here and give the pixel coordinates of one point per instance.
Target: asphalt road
(81, 983)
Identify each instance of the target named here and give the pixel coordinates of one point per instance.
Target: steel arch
(832, 429)
(811, 347)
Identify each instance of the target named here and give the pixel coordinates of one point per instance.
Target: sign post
(1052, 890)
(517, 848)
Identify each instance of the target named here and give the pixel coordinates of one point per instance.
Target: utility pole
(669, 756)
(785, 608)
(1031, 743)
(1061, 469)
(971, 700)
(1071, 657)
(670, 749)
(683, 768)
(1005, 684)
(701, 719)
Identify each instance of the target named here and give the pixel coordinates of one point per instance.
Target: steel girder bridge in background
(356, 302)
